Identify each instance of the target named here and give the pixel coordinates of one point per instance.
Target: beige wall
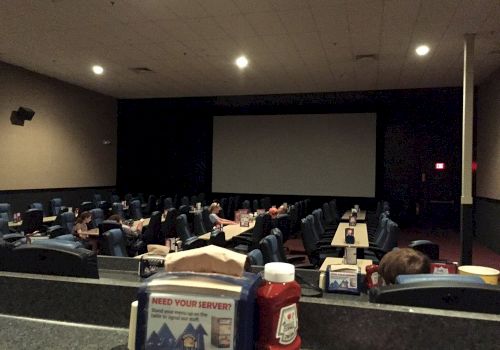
(488, 138)
(62, 146)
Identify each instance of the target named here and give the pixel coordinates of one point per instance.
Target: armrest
(326, 241)
(12, 237)
(242, 240)
(304, 266)
(295, 258)
(328, 245)
(54, 231)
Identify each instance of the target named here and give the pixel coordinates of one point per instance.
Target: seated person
(404, 261)
(80, 229)
(273, 212)
(129, 231)
(215, 219)
(283, 209)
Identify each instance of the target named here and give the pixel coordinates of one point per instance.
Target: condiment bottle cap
(279, 272)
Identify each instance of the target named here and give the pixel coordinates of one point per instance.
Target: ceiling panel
(266, 23)
(236, 26)
(298, 21)
(292, 45)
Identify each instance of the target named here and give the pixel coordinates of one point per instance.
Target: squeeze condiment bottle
(277, 298)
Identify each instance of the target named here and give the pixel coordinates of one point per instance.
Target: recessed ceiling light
(422, 50)
(97, 70)
(242, 62)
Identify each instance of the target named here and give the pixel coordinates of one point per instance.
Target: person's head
(116, 217)
(404, 261)
(282, 209)
(214, 208)
(84, 218)
(273, 212)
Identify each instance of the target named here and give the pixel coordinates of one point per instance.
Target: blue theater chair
(450, 292)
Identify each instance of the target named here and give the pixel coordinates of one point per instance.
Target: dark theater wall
(415, 128)
(487, 199)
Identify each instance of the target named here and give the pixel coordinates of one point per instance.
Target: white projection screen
(316, 154)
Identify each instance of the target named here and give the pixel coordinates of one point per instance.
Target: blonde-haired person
(214, 209)
(282, 210)
(404, 261)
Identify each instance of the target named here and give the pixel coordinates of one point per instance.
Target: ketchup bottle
(372, 278)
(277, 298)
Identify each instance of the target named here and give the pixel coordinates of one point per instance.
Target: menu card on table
(342, 279)
(245, 220)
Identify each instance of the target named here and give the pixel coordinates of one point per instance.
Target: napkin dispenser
(189, 310)
(204, 301)
(343, 279)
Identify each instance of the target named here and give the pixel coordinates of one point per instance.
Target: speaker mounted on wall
(21, 115)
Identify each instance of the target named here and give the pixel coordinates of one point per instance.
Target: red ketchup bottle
(372, 278)
(277, 298)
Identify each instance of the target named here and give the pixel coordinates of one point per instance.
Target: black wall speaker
(23, 113)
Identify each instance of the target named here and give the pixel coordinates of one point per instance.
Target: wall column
(466, 201)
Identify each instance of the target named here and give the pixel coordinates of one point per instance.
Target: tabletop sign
(349, 235)
(237, 214)
(190, 322)
(245, 220)
(342, 279)
(352, 220)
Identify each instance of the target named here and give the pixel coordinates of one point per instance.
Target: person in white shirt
(215, 219)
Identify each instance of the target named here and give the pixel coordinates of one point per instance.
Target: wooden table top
(360, 236)
(46, 220)
(145, 222)
(231, 231)
(361, 215)
(94, 232)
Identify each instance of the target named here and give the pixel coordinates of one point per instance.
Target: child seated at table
(404, 261)
(129, 231)
(80, 231)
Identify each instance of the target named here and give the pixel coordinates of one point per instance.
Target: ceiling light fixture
(97, 70)
(241, 62)
(422, 50)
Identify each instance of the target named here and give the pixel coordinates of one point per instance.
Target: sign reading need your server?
(190, 322)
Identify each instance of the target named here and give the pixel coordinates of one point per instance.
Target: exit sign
(439, 166)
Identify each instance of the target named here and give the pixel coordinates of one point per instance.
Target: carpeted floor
(449, 246)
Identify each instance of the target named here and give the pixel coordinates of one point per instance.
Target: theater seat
(430, 277)
(51, 260)
(115, 243)
(426, 247)
(6, 234)
(56, 243)
(218, 238)
(449, 295)
(256, 258)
